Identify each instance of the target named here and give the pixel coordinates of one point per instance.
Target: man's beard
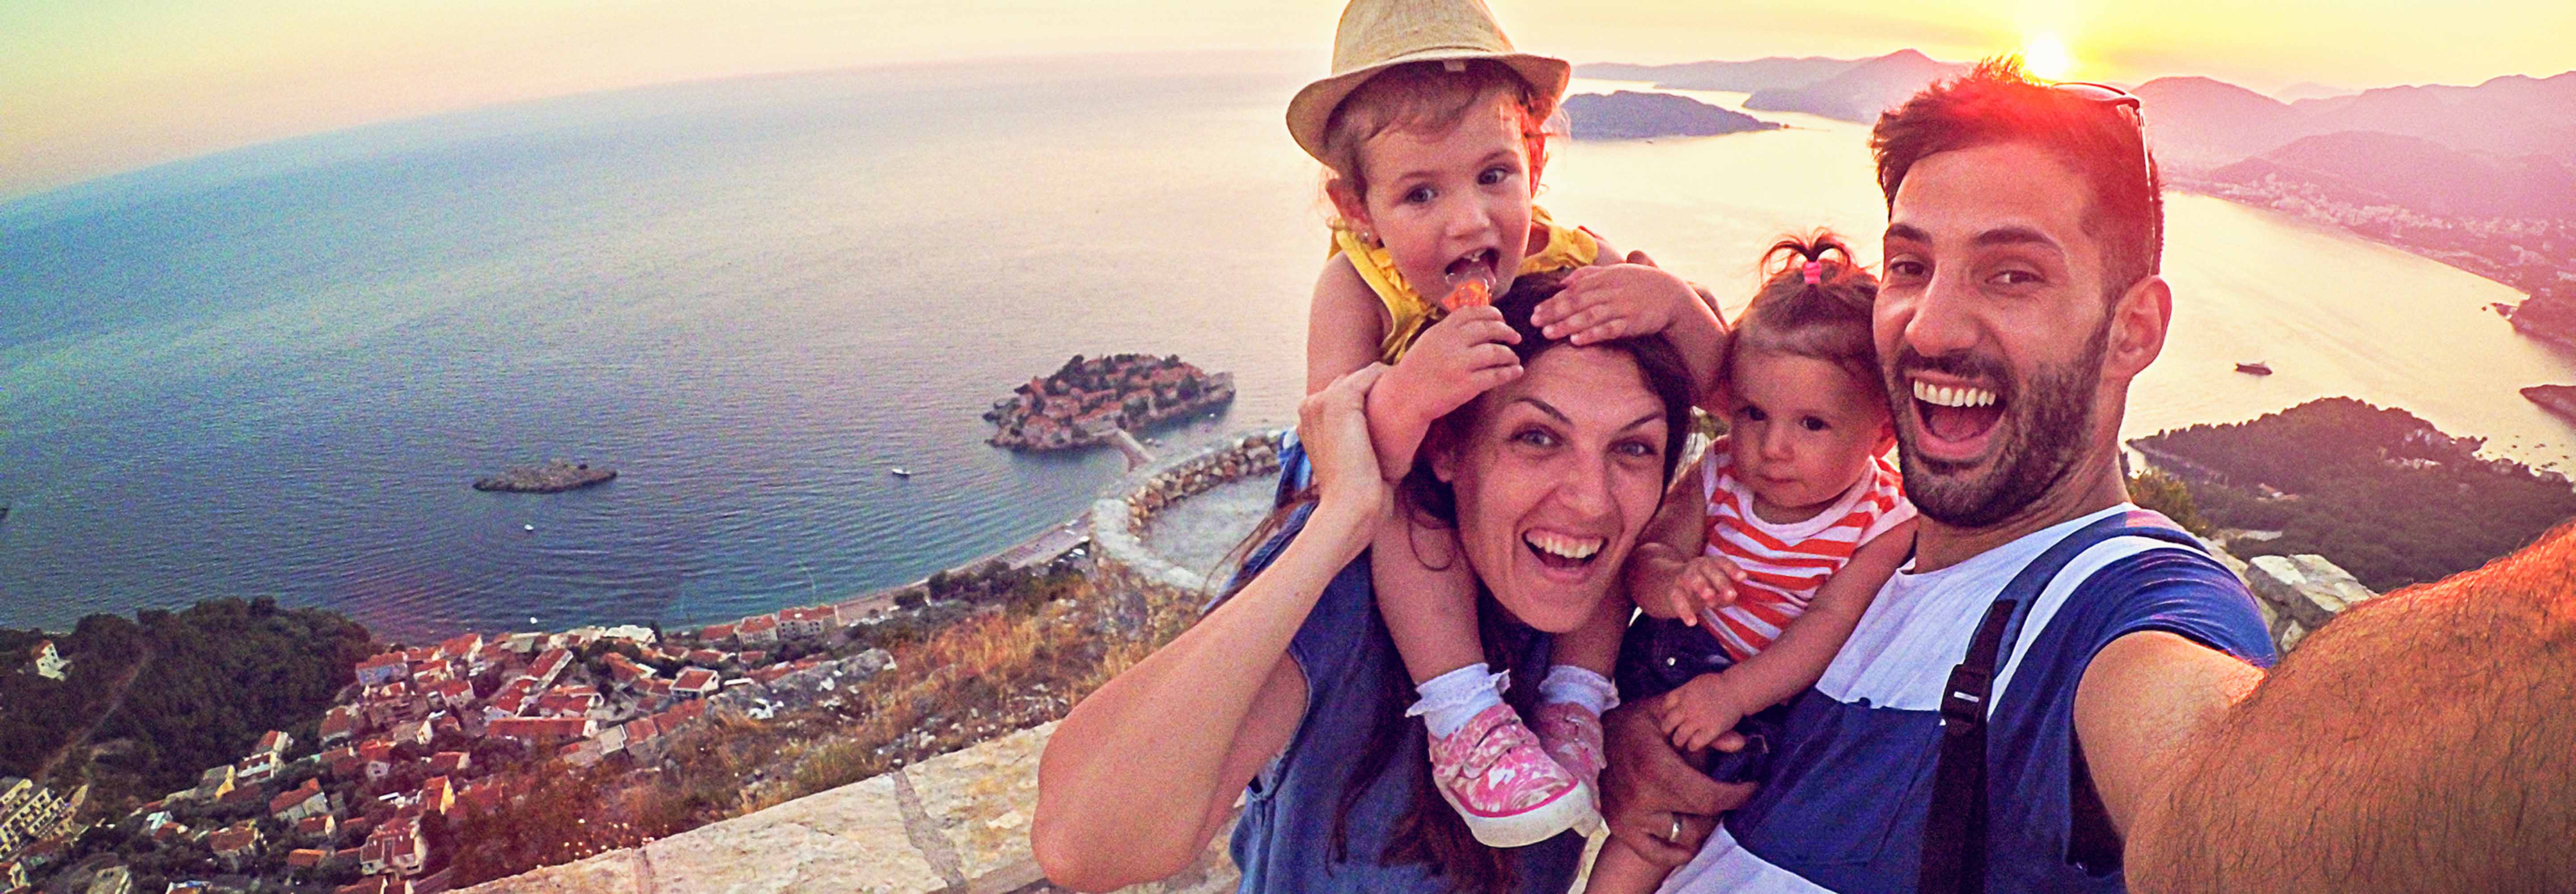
(2050, 417)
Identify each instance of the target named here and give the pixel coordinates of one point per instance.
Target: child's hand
(1695, 714)
(1704, 583)
(1463, 355)
(1620, 300)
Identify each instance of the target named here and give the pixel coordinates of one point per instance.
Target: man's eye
(2015, 278)
(1905, 268)
(1493, 176)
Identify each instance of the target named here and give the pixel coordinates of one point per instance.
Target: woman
(1291, 687)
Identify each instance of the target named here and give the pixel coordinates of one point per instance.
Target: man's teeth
(1561, 545)
(1947, 396)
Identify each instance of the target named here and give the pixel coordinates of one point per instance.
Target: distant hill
(1738, 77)
(2368, 168)
(2202, 123)
(2309, 90)
(2505, 117)
(1627, 115)
(1861, 92)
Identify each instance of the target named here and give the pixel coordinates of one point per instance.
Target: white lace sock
(1452, 699)
(1578, 685)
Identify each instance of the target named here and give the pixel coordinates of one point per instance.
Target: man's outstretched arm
(2426, 741)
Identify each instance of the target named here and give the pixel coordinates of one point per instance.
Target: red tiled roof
(313, 825)
(288, 799)
(376, 750)
(696, 679)
(272, 740)
(716, 632)
(536, 727)
(808, 613)
(449, 761)
(234, 839)
(393, 659)
(305, 858)
(756, 623)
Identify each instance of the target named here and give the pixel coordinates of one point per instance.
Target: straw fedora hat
(1377, 34)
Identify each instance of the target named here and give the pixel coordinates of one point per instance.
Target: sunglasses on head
(2101, 93)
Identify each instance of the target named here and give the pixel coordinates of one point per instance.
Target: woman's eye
(1493, 176)
(1638, 449)
(1535, 437)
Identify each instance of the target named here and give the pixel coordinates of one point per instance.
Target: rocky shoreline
(2547, 316)
(553, 477)
(1088, 401)
(2559, 399)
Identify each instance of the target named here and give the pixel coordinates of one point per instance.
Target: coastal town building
(450, 763)
(379, 757)
(756, 630)
(706, 657)
(810, 621)
(215, 783)
(296, 804)
(30, 813)
(378, 884)
(544, 732)
(549, 666)
(395, 847)
(696, 682)
(13, 875)
(716, 633)
(49, 663)
(235, 844)
(318, 828)
(383, 668)
(112, 880)
(338, 724)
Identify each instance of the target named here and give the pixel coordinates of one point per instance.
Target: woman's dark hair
(1429, 831)
(1827, 319)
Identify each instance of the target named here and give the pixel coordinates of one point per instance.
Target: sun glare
(2046, 57)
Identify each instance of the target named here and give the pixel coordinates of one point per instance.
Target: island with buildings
(1090, 400)
(553, 477)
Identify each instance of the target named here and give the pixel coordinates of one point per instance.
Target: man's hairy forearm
(2425, 741)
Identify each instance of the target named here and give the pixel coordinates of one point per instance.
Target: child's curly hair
(1427, 96)
(1815, 304)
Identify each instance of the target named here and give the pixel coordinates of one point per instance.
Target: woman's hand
(1333, 424)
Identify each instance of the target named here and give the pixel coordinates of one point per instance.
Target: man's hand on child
(1698, 712)
(1617, 301)
(1465, 354)
(1705, 583)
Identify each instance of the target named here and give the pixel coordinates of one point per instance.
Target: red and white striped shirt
(1784, 564)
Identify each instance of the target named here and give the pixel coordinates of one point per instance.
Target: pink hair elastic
(1815, 272)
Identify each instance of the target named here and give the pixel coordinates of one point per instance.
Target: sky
(95, 87)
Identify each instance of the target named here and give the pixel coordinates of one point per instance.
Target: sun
(2045, 56)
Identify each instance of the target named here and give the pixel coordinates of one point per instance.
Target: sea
(274, 371)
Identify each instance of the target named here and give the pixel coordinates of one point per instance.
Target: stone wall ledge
(954, 824)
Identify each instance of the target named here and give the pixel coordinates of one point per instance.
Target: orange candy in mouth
(1472, 293)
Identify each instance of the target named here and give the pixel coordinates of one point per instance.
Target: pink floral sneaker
(1571, 734)
(1494, 772)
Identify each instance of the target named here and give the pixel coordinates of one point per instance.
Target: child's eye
(1752, 414)
(1493, 175)
(1812, 423)
(1535, 437)
(1419, 195)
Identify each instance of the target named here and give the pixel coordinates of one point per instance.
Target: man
(2020, 299)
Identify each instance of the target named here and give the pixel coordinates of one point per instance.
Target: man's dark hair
(1996, 103)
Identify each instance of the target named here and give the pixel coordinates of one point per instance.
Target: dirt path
(114, 702)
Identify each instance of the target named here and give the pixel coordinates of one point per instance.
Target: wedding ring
(1674, 834)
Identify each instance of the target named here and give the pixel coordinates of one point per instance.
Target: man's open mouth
(1563, 551)
(1956, 417)
(1474, 266)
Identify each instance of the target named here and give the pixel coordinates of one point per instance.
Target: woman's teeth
(1947, 396)
(1562, 546)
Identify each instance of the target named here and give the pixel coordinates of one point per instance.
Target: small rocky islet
(1089, 400)
(552, 477)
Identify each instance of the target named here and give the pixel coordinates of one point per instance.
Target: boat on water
(899, 472)
(2256, 368)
